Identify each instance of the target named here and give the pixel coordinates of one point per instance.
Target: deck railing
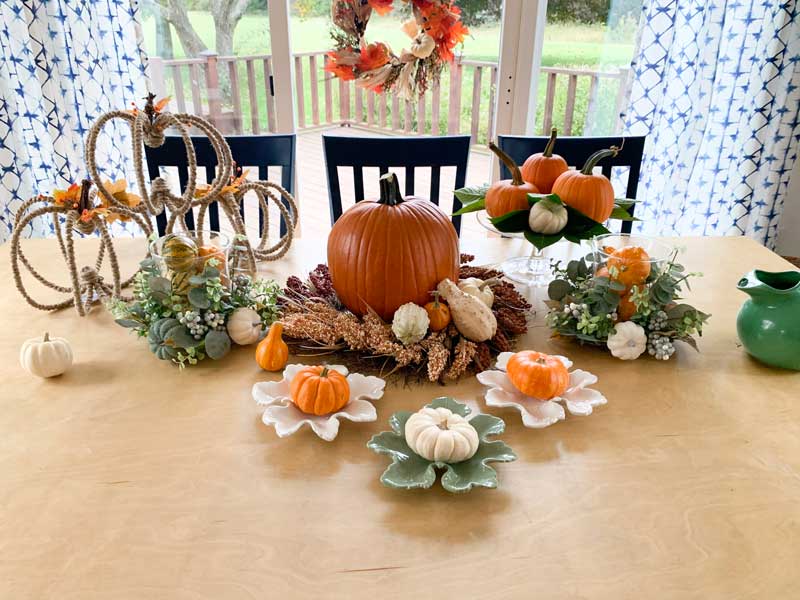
(235, 93)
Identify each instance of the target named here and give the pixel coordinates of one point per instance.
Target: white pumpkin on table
(244, 326)
(46, 356)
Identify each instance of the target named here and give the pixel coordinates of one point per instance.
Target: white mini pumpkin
(628, 341)
(547, 217)
(46, 357)
(410, 323)
(423, 45)
(441, 435)
(478, 288)
(244, 326)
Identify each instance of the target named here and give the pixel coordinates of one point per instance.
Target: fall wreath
(435, 30)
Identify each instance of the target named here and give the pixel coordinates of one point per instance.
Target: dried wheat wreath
(435, 30)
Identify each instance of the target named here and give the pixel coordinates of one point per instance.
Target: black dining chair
(260, 151)
(576, 150)
(394, 152)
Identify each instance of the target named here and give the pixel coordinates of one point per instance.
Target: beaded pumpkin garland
(434, 31)
(89, 207)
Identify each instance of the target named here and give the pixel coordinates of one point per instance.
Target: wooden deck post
(212, 86)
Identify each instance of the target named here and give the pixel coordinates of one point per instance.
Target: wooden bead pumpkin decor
(538, 375)
(508, 195)
(384, 253)
(318, 390)
(591, 194)
(543, 168)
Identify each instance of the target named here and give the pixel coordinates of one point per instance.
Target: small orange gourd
(629, 265)
(272, 353)
(537, 375)
(543, 168)
(590, 194)
(626, 308)
(508, 195)
(318, 390)
(438, 313)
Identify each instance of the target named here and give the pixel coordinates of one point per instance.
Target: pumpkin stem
(595, 158)
(324, 372)
(390, 190)
(46, 336)
(488, 282)
(83, 203)
(516, 174)
(548, 149)
(436, 295)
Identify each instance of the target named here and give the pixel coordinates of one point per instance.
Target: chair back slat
(262, 151)
(406, 153)
(576, 150)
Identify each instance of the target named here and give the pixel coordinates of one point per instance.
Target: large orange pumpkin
(591, 194)
(629, 265)
(543, 168)
(538, 375)
(387, 252)
(507, 195)
(319, 390)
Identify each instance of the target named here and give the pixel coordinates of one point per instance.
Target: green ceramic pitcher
(769, 321)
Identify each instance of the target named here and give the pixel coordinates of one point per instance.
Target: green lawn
(565, 45)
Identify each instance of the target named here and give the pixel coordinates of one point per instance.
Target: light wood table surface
(127, 478)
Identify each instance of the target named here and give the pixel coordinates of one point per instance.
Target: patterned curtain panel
(62, 64)
(717, 90)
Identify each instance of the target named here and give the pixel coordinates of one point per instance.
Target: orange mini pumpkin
(508, 195)
(387, 252)
(626, 308)
(543, 168)
(629, 265)
(538, 375)
(318, 390)
(272, 353)
(438, 313)
(592, 195)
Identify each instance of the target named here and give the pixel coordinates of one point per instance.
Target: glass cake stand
(532, 270)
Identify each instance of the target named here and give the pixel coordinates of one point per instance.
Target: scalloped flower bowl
(282, 413)
(409, 470)
(537, 413)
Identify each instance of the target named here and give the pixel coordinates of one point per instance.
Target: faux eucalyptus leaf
(199, 298)
(181, 337)
(129, 323)
(210, 272)
(160, 287)
(218, 344)
(197, 280)
(559, 289)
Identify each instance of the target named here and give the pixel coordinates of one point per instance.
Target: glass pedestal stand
(532, 270)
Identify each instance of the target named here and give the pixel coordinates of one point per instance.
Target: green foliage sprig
(584, 306)
(184, 317)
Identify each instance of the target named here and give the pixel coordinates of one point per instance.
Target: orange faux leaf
(382, 7)
(373, 56)
(69, 196)
(340, 66)
(162, 104)
(88, 214)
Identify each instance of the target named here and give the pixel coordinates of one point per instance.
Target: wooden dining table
(127, 477)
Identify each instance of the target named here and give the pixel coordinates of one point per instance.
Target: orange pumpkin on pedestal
(538, 375)
(592, 195)
(318, 390)
(387, 252)
(543, 168)
(507, 195)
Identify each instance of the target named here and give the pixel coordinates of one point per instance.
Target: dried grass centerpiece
(316, 322)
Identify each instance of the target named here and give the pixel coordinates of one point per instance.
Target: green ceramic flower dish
(409, 470)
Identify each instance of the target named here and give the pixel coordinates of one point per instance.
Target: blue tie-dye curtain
(717, 90)
(62, 64)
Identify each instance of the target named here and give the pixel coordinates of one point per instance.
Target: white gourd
(46, 357)
(244, 326)
(439, 434)
(473, 319)
(478, 288)
(410, 323)
(628, 341)
(547, 217)
(423, 45)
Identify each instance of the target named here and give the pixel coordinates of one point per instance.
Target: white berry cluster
(660, 346)
(574, 309)
(658, 321)
(193, 321)
(214, 320)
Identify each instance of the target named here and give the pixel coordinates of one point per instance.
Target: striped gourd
(179, 252)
